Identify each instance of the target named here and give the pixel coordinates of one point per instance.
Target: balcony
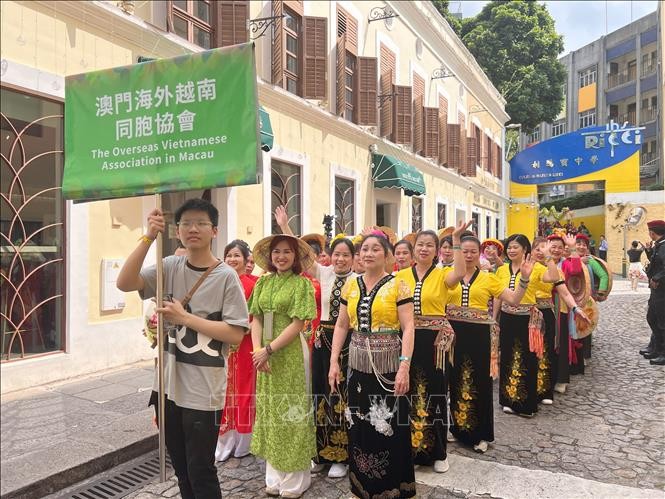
(648, 158)
(648, 114)
(616, 79)
(648, 164)
(647, 69)
(629, 117)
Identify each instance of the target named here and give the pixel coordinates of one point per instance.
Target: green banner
(186, 123)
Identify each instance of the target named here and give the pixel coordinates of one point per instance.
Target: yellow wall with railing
(54, 43)
(308, 144)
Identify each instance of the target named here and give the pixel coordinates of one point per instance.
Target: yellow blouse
(483, 286)
(383, 300)
(544, 289)
(536, 279)
(430, 295)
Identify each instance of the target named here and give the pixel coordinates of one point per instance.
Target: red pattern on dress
(240, 408)
(317, 296)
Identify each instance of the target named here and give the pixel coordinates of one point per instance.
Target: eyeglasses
(199, 224)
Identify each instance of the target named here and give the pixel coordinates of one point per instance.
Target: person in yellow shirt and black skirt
(548, 364)
(475, 358)
(521, 330)
(433, 337)
(378, 307)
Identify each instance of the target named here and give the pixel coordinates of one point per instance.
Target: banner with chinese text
(186, 123)
(576, 154)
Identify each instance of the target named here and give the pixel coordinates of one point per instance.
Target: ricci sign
(575, 154)
(615, 135)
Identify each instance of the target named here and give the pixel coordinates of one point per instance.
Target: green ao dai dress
(284, 433)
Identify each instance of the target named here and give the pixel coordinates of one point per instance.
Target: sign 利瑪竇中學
(575, 154)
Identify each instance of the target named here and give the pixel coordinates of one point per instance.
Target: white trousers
(234, 443)
(296, 482)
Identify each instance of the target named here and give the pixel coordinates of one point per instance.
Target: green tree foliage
(517, 46)
(443, 7)
(512, 143)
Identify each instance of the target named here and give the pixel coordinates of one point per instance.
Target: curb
(80, 472)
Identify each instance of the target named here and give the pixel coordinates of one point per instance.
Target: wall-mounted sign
(575, 154)
(112, 298)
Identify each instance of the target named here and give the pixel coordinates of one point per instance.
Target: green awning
(389, 172)
(267, 137)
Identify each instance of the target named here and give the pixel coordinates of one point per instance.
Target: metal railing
(630, 117)
(646, 158)
(616, 79)
(649, 164)
(647, 69)
(648, 114)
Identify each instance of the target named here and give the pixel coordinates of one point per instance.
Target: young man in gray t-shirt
(196, 347)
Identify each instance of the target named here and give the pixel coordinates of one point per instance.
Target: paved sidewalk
(61, 433)
(467, 478)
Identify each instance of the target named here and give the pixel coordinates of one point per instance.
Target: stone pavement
(610, 425)
(61, 433)
(603, 438)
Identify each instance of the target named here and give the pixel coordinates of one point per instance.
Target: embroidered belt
(444, 339)
(323, 336)
(479, 316)
(536, 329)
(544, 303)
(376, 352)
(429, 321)
(520, 309)
(468, 314)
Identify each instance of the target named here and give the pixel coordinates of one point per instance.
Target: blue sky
(580, 22)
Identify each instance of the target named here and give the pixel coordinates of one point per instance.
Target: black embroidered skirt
(548, 364)
(518, 388)
(331, 425)
(427, 396)
(380, 462)
(563, 359)
(471, 408)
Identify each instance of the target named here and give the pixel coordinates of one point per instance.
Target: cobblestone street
(608, 427)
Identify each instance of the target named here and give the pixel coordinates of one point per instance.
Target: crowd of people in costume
(367, 355)
(393, 346)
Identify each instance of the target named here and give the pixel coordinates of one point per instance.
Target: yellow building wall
(522, 219)
(114, 227)
(319, 149)
(595, 224)
(56, 44)
(615, 216)
(586, 98)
